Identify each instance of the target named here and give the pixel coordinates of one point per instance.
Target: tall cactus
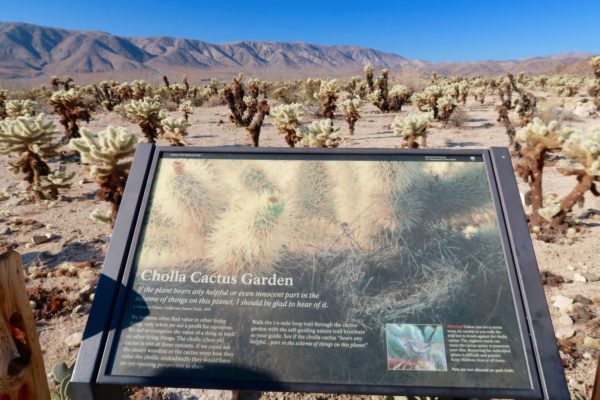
(31, 138)
(368, 70)
(3, 97)
(328, 95)
(109, 157)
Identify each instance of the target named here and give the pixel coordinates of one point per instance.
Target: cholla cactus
(398, 95)
(593, 91)
(411, 127)
(463, 91)
(109, 157)
(368, 70)
(351, 109)
(357, 87)
(31, 139)
(255, 125)
(479, 94)
(55, 180)
(146, 113)
(525, 107)
(311, 90)
(241, 106)
(20, 108)
(427, 100)
(595, 63)
(71, 107)
(3, 96)
(186, 108)
(320, 134)
(175, 130)
(379, 97)
(287, 118)
(328, 95)
(108, 95)
(538, 139)
(446, 106)
(504, 119)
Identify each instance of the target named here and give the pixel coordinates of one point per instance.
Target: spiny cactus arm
(550, 136)
(113, 144)
(320, 134)
(27, 133)
(99, 216)
(287, 116)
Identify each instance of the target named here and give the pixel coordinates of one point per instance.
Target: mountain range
(33, 53)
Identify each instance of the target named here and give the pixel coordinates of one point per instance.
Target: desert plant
(583, 150)
(320, 134)
(351, 109)
(31, 138)
(594, 89)
(445, 106)
(287, 118)
(368, 70)
(357, 87)
(61, 375)
(411, 127)
(55, 82)
(175, 130)
(504, 119)
(463, 91)
(537, 139)
(20, 108)
(328, 95)
(427, 100)
(186, 108)
(71, 107)
(479, 94)
(3, 97)
(108, 95)
(255, 125)
(147, 114)
(109, 157)
(398, 95)
(379, 96)
(242, 106)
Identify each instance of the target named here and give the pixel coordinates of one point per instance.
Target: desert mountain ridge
(34, 53)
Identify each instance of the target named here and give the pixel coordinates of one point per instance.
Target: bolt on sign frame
(376, 271)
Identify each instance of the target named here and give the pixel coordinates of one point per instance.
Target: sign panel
(371, 273)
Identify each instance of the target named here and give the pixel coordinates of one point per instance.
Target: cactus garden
(66, 149)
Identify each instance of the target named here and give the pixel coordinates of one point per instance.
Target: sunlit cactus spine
(147, 114)
(175, 130)
(411, 127)
(351, 110)
(328, 95)
(320, 133)
(71, 107)
(186, 108)
(31, 139)
(20, 108)
(109, 157)
(287, 118)
(537, 139)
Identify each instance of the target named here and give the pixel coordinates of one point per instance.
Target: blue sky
(431, 30)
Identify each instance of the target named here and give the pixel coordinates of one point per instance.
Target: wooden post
(22, 373)
(596, 389)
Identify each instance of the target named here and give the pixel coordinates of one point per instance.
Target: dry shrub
(171, 106)
(554, 113)
(458, 117)
(215, 101)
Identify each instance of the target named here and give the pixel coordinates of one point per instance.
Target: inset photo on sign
(415, 347)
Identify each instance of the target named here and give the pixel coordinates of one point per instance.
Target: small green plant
(287, 118)
(61, 375)
(320, 134)
(31, 138)
(147, 114)
(20, 108)
(109, 157)
(175, 130)
(71, 107)
(411, 127)
(351, 109)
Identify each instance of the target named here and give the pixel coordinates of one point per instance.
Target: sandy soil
(77, 238)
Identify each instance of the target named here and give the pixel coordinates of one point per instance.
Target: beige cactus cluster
(20, 108)
(3, 98)
(32, 140)
(287, 118)
(175, 130)
(328, 94)
(585, 150)
(551, 136)
(479, 94)
(186, 107)
(147, 114)
(320, 133)
(411, 127)
(351, 109)
(72, 107)
(398, 95)
(109, 157)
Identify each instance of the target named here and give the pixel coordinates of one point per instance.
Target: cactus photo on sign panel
(382, 264)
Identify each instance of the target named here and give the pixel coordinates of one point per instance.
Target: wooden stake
(596, 390)
(22, 373)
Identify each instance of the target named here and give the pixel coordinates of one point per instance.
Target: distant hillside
(34, 52)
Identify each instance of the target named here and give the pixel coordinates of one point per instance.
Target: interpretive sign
(362, 271)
